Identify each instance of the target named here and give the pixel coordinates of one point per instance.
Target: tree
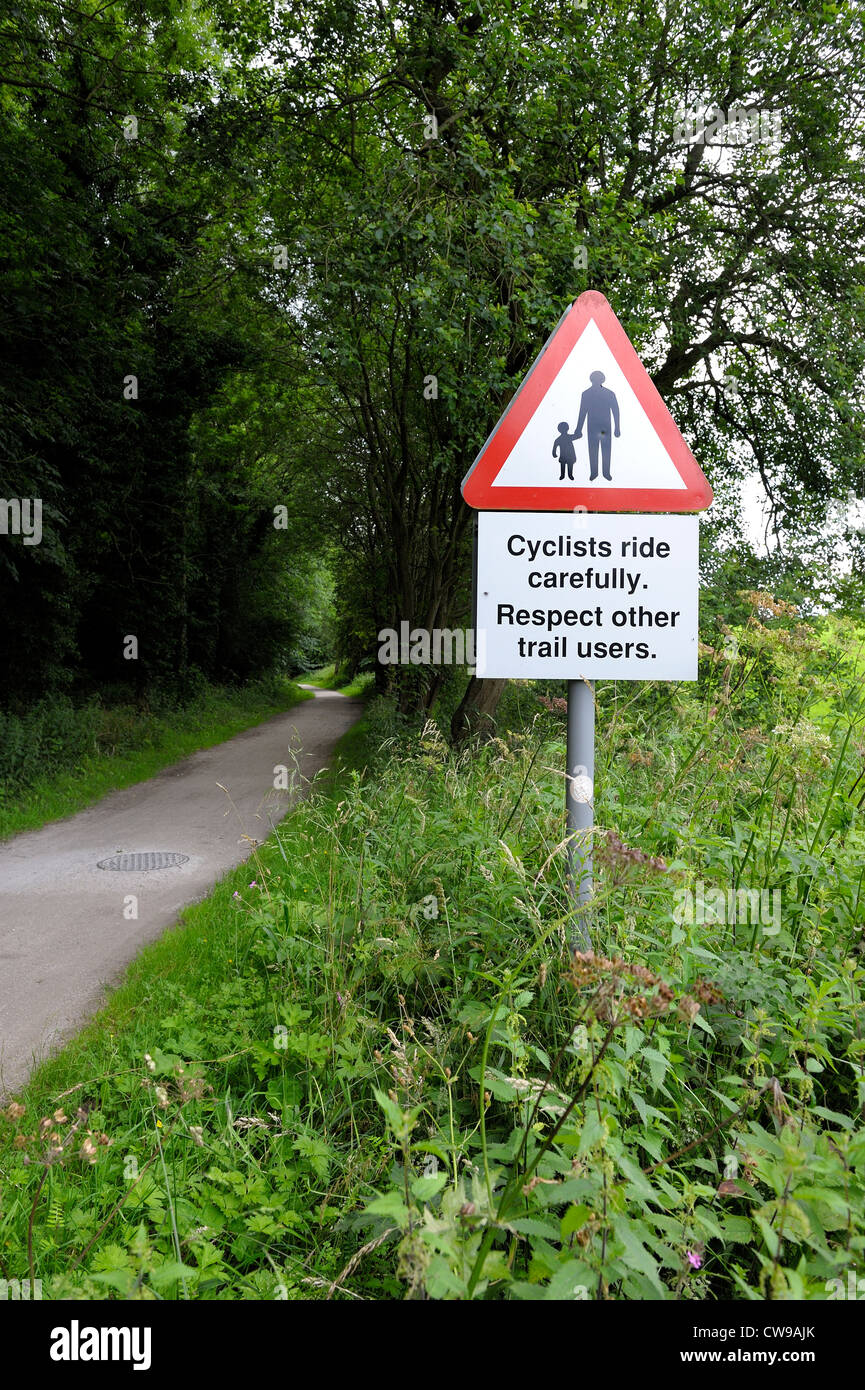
(136, 288)
(462, 171)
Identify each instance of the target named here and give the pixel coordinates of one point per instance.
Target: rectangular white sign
(584, 594)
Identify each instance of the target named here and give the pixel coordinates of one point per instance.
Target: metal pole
(580, 804)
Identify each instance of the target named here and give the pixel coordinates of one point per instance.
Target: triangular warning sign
(587, 429)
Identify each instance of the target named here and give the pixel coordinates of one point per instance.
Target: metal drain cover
(140, 863)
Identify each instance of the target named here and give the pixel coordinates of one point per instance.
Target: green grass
(379, 1070)
(325, 678)
(207, 949)
(130, 746)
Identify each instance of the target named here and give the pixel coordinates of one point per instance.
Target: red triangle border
(477, 487)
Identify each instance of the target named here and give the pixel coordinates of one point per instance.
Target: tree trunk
(475, 714)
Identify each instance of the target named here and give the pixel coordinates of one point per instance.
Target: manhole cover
(139, 863)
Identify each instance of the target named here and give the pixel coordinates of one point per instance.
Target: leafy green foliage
(381, 1071)
(135, 329)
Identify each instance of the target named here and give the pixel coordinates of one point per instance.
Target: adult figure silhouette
(598, 405)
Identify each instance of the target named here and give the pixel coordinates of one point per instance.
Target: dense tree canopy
(339, 238)
(470, 169)
(131, 297)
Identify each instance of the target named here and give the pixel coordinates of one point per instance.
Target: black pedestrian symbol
(565, 450)
(597, 406)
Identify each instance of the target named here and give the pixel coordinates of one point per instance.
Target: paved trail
(63, 934)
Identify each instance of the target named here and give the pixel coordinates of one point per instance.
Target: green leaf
(574, 1219)
(592, 1131)
(495, 1083)
(425, 1188)
(657, 1065)
(391, 1205)
(532, 1226)
(170, 1273)
(737, 1229)
(636, 1253)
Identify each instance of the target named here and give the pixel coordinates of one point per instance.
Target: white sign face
(562, 595)
(635, 461)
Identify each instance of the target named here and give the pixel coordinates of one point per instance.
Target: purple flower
(253, 884)
(694, 1260)
(235, 895)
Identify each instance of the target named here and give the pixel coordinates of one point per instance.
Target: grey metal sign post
(580, 805)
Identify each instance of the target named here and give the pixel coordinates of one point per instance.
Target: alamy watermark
(748, 906)
(437, 646)
(740, 125)
(77, 1343)
(21, 516)
(854, 1288)
(20, 1290)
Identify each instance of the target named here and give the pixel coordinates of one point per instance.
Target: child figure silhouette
(565, 450)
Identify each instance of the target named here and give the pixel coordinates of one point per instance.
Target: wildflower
(688, 1008)
(616, 854)
(637, 758)
(766, 605)
(694, 1259)
(14, 1111)
(804, 737)
(707, 993)
(556, 705)
(637, 1007)
(254, 884)
(149, 1062)
(235, 894)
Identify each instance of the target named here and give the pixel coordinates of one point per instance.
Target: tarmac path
(64, 935)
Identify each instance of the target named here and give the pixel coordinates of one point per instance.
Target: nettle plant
(589, 1126)
(546, 1193)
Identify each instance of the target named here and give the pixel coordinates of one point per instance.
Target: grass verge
(117, 746)
(325, 678)
(369, 1066)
